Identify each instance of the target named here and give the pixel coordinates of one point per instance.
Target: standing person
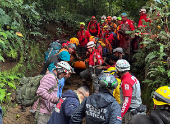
(119, 20)
(143, 17)
(95, 59)
(112, 25)
(83, 37)
(47, 99)
(101, 107)
(126, 25)
(93, 27)
(130, 92)
(67, 104)
(119, 53)
(161, 112)
(62, 56)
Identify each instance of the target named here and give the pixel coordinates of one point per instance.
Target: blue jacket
(0, 115)
(64, 108)
(99, 108)
(60, 86)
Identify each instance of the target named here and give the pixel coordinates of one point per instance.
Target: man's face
(116, 54)
(109, 21)
(67, 75)
(83, 95)
(93, 20)
(62, 75)
(90, 49)
(82, 27)
(124, 18)
(119, 22)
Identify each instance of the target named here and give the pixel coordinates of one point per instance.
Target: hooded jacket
(63, 110)
(99, 108)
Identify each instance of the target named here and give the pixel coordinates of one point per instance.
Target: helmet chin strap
(58, 74)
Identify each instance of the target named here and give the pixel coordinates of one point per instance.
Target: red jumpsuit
(96, 30)
(125, 42)
(143, 18)
(83, 34)
(96, 55)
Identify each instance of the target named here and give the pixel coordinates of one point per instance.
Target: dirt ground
(14, 115)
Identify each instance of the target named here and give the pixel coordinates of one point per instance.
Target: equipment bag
(52, 50)
(26, 94)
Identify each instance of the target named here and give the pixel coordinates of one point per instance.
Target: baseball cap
(118, 49)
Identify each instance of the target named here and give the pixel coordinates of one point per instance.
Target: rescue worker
(67, 104)
(101, 107)
(161, 112)
(62, 56)
(119, 53)
(73, 55)
(112, 25)
(93, 27)
(95, 59)
(83, 37)
(64, 47)
(114, 18)
(143, 17)
(130, 92)
(119, 20)
(126, 25)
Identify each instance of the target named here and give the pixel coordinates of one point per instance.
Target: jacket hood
(70, 93)
(102, 99)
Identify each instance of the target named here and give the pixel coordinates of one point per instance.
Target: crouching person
(101, 107)
(69, 101)
(47, 92)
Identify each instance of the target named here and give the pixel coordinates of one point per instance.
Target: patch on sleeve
(58, 106)
(126, 86)
(119, 118)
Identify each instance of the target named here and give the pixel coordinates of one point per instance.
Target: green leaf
(168, 73)
(11, 85)
(2, 94)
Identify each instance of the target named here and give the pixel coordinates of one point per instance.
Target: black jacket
(99, 108)
(155, 117)
(64, 108)
(54, 58)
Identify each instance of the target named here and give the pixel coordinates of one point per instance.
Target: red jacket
(99, 49)
(83, 34)
(97, 56)
(142, 18)
(130, 23)
(97, 29)
(111, 38)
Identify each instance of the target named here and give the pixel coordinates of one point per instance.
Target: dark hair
(113, 57)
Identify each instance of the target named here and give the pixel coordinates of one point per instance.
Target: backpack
(95, 25)
(26, 94)
(52, 50)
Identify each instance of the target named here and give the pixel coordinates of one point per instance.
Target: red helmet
(64, 44)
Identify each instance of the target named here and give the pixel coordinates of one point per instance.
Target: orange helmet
(109, 18)
(75, 41)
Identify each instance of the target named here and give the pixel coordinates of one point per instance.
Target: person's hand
(95, 60)
(56, 100)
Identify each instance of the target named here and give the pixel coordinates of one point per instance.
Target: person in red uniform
(143, 17)
(130, 92)
(93, 27)
(95, 59)
(83, 37)
(126, 25)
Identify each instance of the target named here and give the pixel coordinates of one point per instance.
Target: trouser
(43, 118)
(81, 51)
(125, 44)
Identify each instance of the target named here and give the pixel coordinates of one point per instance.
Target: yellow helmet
(112, 70)
(162, 96)
(75, 41)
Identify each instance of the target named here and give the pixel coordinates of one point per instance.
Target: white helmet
(90, 44)
(143, 10)
(103, 17)
(122, 65)
(64, 66)
(114, 18)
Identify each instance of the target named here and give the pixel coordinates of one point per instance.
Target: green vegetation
(27, 27)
